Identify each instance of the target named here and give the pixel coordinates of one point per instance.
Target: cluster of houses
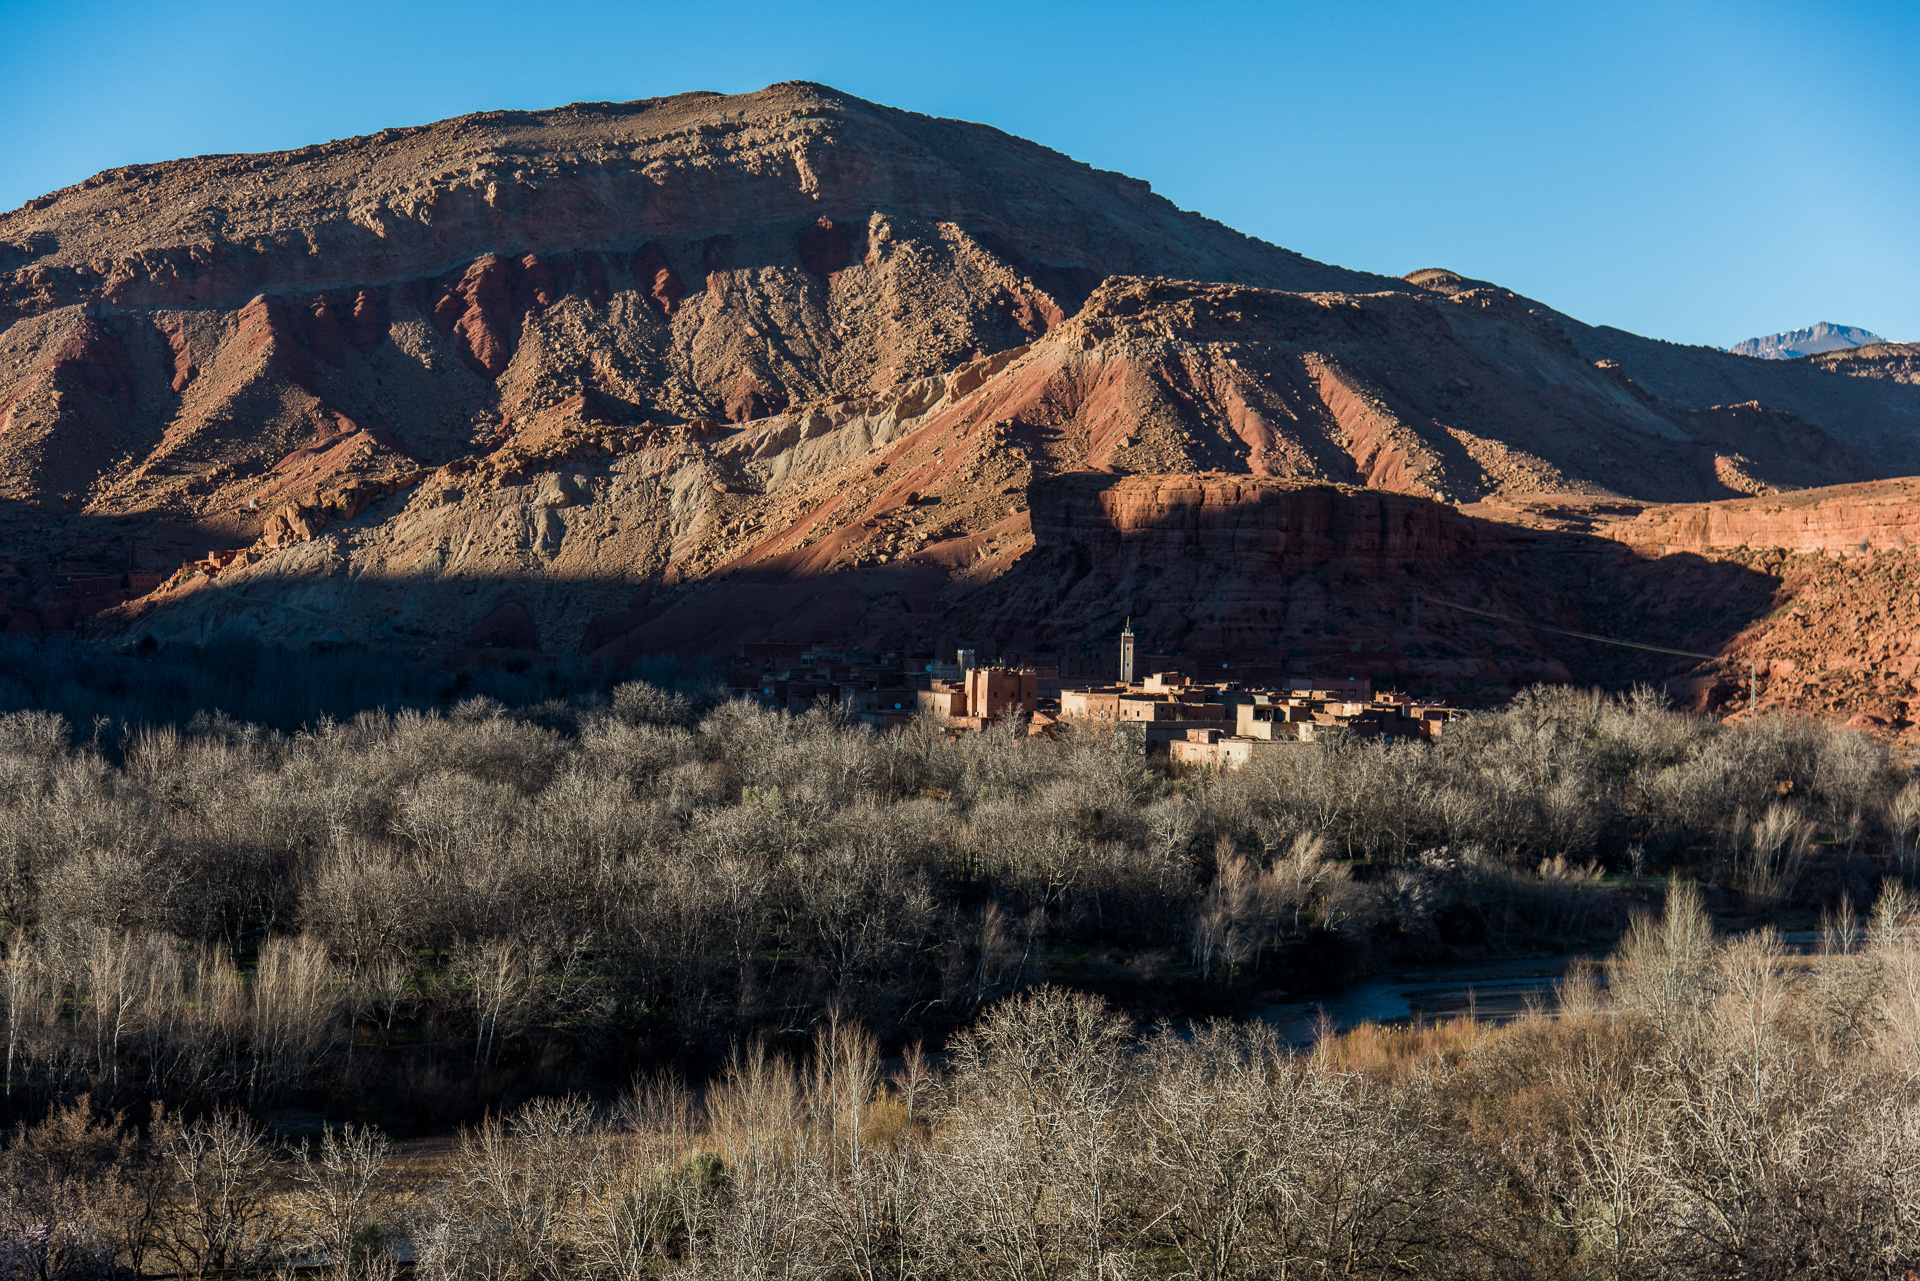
(1177, 718)
(1225, 724)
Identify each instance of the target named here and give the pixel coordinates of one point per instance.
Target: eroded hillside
(620, 379)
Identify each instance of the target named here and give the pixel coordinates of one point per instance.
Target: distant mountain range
(1806, 342)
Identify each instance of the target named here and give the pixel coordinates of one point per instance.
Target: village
(1179, 718)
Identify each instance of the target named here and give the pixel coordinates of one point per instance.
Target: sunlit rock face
(666, 375)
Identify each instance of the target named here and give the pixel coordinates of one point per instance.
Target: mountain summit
(1806, 342)
(617, 379)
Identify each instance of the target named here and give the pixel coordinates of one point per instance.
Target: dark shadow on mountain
(1322, 580)
(1215, 572)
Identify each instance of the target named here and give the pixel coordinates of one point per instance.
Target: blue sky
(1699, 172)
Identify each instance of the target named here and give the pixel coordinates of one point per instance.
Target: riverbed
(1495, 990)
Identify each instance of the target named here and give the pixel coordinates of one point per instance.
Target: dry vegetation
(498, 918)
(1719, 1112)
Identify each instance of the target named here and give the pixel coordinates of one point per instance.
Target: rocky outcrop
(291, 524)
(1895, 362)
(179, 352)
(1215, 524)
(90, 358)
(656, 279)
(1846, 520)
(485, 307)
(1842, 640)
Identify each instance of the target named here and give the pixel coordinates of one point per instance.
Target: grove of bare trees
(500, 919)
(1716, 1109)
(420, 915)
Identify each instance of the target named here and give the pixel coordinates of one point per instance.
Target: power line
(1753, 666)
(1562, 631)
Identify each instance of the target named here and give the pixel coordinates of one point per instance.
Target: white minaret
(1126, 654)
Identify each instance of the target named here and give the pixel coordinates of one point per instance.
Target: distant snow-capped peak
(1806, 342)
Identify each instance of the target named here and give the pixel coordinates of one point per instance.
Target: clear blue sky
(1700, 172)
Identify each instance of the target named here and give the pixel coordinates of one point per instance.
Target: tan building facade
(994, 692)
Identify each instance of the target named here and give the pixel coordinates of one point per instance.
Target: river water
(1497, 991)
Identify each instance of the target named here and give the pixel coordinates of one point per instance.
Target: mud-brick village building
(1187, 723)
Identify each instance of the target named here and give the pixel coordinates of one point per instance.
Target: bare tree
(1903, 824)
(499, 977)
(222, 1218)
(1033, 1149)
(1663, 967)
(295, 1000)
(632, 1214)
(514, 1186)
(342, 1191)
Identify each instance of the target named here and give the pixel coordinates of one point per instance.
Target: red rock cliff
(1249, 526)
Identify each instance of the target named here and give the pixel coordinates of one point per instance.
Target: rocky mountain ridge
(1810, 341)
(623, 379)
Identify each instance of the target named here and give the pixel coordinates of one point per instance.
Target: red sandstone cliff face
(1244, 525)
(1843, 520)
(1843, 634)
(1842, 641)
(668, 375)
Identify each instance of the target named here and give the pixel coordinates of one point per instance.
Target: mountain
(175, 333)
(1898, 362)
(1806, 342)
(622, 379)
